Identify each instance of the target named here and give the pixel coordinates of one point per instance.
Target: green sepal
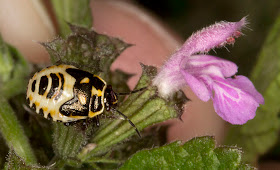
(14, 71)
(257, 136)
(68, 140)
(72, 11)
(154, 137)
(198, 153)
(143, 108)
(87, 50)
(16, 162)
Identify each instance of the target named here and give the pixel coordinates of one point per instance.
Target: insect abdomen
(49, 89)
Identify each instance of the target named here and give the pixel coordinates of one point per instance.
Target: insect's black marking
(100, 105)
(97, 121)
(61, 89)
(98, 84)
(54, 87)
(96, 104)
(70, 123)
(33, 107)
(28, 101)
(41, 112)
(66, 109)
(50, 117)
(67, 124)
(84, 89)
(43, 85)
(111, 98)
(80, 74)
(33, 85)
(73, 107)
(93, 99)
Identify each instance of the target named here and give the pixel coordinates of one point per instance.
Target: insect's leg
(134, 91)
(82, 121)
(126, 118)
(59, 62)
(70, 123)
(27, 108)
(85, 123)
(97, 121)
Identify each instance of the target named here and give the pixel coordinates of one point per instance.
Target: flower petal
(232, 103)
(169, 80)
(213, 36)
(247, 86)
(227, 68)
(197, 86)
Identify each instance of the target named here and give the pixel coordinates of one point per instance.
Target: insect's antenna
(126, 118)
(135, 91)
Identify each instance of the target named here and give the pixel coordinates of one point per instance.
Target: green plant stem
(13, 133)
(68, 140)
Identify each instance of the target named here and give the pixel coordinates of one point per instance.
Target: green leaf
(86, 50)
(257, 136)
(36, 128)
(16, 162)
(72, 11)
(229, 157)
(13, 133)
(14, 71)
(198, 153)
(143, 108)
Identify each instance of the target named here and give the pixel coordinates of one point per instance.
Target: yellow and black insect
(66, 94)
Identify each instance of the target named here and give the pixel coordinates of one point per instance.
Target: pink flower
(235, 99)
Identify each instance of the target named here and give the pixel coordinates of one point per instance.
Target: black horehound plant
(34, 142)
(84, 145)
